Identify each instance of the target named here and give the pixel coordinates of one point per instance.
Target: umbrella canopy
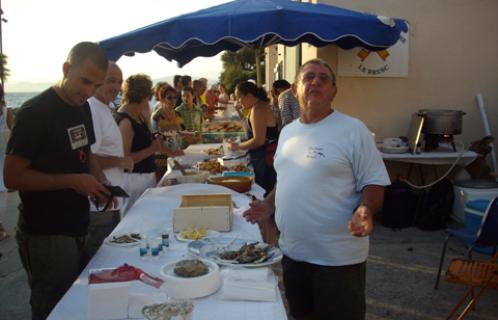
(256, 23)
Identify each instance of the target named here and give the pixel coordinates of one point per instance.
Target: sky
(38, 35)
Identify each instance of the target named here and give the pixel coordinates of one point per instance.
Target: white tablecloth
(193, 154)
(150, 215)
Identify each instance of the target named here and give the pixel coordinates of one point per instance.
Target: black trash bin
(399, 206)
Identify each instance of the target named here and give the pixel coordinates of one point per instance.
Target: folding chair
(475, 274)
(485, 236)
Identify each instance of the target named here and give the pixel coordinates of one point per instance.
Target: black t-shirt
(56, 138)
(142, 139)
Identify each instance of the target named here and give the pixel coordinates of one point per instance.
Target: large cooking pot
(441, 121)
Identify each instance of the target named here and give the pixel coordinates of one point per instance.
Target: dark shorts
(326, 292)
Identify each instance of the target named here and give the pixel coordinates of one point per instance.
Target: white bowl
(195, 287)
(395, 149)
(193, 176)
(392, 142)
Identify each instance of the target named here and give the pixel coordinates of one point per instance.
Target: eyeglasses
(170, 98)
(325, 78)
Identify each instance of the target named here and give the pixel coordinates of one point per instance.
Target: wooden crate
(208, 211)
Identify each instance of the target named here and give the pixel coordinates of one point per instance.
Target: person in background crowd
(278, 87)
(212, 101)
(288, 106)
(6, 123)
(177, 82)
(165, 118)
(191, 114)
(223, 97)
(204, 81)
(203, 95)
(199, 90)
(138, 141)
(109, 153)
(324, 236)
(186, 81)
(50, 162)
(155, 102)
(212, 97)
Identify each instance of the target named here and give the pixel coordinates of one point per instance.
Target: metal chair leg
(460, 302)
(469, 252)
(441, 261)
(471, 304)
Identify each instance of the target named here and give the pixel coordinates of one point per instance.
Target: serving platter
(132, 240)
(211, 248)
(209, 234)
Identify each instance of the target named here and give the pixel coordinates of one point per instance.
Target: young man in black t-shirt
(49, 161)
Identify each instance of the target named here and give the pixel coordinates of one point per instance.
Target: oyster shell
(168, 310)
(191, 268)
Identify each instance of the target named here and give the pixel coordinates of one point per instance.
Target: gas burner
(432, 141)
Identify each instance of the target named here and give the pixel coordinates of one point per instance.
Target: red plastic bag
(122, 274)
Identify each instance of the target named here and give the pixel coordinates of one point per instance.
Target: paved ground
(400, 279)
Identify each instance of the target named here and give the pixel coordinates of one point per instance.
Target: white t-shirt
(108, 141)
(321, 170)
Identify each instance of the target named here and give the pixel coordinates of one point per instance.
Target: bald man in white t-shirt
(330, 183)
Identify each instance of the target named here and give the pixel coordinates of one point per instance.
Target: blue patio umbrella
(257, 24)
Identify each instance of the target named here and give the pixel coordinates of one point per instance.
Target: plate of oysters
(236, 252)
(124, 240)
(191, 278)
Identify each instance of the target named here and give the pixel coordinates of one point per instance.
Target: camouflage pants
(52, 264)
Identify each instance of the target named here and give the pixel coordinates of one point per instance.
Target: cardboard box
(108, 301)
(208, 211)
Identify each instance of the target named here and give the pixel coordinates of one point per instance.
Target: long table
(437, 157)
(150, 215)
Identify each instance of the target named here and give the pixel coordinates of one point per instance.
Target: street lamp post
(2, 19)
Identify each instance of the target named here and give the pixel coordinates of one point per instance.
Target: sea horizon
(15, 99)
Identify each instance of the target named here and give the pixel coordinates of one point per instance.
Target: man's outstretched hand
(361, 223)
(259, 210)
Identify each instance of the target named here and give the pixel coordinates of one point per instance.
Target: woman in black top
(262, 133)
(138, 141)
(261, 144)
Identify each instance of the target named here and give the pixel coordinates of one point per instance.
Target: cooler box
(469, 190)
(473, 214)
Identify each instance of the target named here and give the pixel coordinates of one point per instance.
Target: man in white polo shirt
(108, 150)
(330, 183)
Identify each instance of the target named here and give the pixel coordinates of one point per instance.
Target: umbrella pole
(258, 67)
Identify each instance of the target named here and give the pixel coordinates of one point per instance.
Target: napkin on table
(248, 284)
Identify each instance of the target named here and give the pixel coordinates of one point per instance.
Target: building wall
(271, 60)
(453, 55)
(291, 62)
